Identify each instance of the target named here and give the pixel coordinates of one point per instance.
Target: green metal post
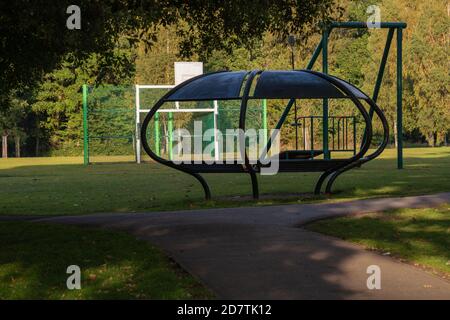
(264, 120)
(315, 56)
(280, 122)
(170, 129)
(399, 100)
(380, 74)
(157, 137)
(85, 125)
(216, 137)
(326, 153)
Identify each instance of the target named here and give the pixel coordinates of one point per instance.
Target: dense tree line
(34, 40)
(41, 97)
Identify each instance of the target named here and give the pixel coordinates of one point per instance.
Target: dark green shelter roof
(226, 85)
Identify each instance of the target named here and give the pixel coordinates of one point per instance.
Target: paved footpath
(263, 253)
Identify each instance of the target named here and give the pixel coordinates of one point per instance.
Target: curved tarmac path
(263, 253)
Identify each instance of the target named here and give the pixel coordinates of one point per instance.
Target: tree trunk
(17, 145)
(430, 139)
(395, 134)
(5, 145)
(441, 139)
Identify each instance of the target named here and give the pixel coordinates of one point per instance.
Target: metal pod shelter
(291, 85)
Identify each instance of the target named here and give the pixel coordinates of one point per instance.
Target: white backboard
(187, 70)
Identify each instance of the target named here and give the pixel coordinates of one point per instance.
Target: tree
(12, 120)
(34, 37)
(57, 100)
(428, 51)
(390, 11)
(155, 65)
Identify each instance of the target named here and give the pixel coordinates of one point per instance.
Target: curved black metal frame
(154, 156)
(332, 172)
(368, 130)
(242, 115)
(371, 156)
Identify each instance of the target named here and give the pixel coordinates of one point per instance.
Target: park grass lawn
(62, 186)
(34, 258)
(417, 236)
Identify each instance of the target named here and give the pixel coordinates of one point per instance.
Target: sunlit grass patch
(420, 236)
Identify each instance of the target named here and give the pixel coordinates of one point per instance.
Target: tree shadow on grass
(253, 261)
(252, 255)
(34, 258)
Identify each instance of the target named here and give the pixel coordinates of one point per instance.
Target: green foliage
(57, 101)
(155, 65)
(34, 37)
(233, 36)
(352, 55)
(111, 120)
(14, 119)
(428, 50)
(57, 105)
(427, 82)
(227, 25)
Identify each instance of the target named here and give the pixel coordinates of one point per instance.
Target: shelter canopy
(228, 85)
